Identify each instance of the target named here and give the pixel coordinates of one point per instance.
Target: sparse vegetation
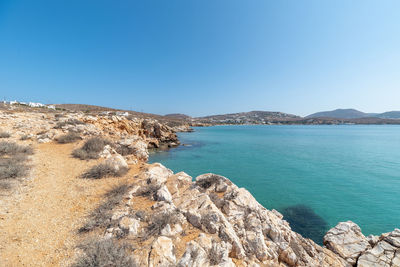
(91, 148)
(101, 216)
(158, 221)
(104, 170)
(61, 124)
(13, 159)
(4, 135)
(209, 181)
(125, 150)
(25, 137)
(149, 190)
(12, 167)
(104, 253)
(68, 138)
(12, 149)
(215, 255)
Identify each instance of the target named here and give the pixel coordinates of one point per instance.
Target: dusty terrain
(40, 230)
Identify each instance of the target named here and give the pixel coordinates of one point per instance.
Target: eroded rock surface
(226, 225)
(346, 240)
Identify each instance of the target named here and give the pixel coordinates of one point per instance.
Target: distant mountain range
(354, 114)
(338, 116)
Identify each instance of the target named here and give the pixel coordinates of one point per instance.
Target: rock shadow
(305, 221)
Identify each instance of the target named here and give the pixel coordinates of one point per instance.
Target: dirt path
(40, 230)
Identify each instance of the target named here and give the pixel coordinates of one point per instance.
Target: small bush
(104, 170)
(125, 150)
(4, 185)
(104, 253)
(148, 191)
(68, 138)
(25, 137)
(10, 149)
(158, 221)
(13, 161)
(4, 135)
(101, 216)
(215, 255)
(12, 168)
(91, 148)
(61, 124)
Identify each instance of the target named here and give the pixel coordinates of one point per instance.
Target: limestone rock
(346, 240)
(107, 152)
(162, 253)
(385, 253)
(130, 225)
(163, 194)
(117, 162)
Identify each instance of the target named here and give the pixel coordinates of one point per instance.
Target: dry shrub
(215, 255)
(13, 167)
(104, 253)
(11, 149)
(25, 137)
(101, 216)
(104, 170)
(61, 124)
(91, 148)
(4, 135)
(68, 138)
(13, 158)
(148, 191)
(158, 221)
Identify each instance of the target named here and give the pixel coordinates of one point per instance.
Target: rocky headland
(150, 216)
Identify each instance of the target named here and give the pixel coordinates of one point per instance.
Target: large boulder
(346, 240)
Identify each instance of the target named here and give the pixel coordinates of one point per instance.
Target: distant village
(29, 104)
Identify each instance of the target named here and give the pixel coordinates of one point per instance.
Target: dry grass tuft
(105, 253)
(101, 216)
(4, 135)
(61, 124)
(148, 191)
(68, 138)
(13, 158)
(104, 170)
(215, 255)
(158, 221)
(91, 148)
(12, 149)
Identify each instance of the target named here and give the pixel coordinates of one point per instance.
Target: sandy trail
(40, 230)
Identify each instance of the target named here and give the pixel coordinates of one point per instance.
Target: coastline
(171, 219)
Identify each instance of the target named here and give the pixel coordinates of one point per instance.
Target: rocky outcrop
(231, 228)
(347, 241)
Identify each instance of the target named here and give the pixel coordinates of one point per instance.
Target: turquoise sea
(316, 176)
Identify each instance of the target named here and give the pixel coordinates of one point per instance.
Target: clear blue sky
(203, 57)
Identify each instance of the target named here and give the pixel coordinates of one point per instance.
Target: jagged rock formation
(46, 127)
(227, 226)
(346, 240)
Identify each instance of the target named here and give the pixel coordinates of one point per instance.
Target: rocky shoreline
(171, 219)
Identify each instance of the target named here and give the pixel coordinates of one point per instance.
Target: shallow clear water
(316, 176)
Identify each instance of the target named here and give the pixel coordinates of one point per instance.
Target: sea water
(316, 176)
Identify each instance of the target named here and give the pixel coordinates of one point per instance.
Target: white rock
(117, 162)
(346, 240)
(163, 194)
(162, 253)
